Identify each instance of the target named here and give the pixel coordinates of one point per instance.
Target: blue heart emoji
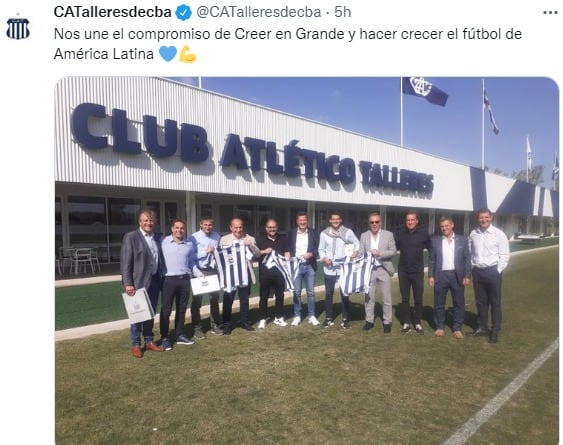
(167, 52)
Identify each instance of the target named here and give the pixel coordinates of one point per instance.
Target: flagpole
(401, 82)
(483, 126)
(555, 171)
(527, 158)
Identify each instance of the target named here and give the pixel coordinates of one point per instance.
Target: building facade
(125, 143)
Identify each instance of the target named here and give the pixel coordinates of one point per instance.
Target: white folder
(138, 306)
(205, 285)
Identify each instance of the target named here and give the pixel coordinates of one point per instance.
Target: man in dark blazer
(304, 244)
(449, 268)
(140, 264)
(381, 244)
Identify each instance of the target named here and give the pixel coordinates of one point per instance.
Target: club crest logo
(17, 29)
(420, 86)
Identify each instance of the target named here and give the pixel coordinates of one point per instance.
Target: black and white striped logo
(17, 29)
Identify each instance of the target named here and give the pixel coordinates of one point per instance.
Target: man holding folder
(140, 263)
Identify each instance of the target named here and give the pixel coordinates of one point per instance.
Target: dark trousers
(175, 289)
(228, 298)
(449, 282)
(271, 279)
(487, 284)
(195, 309)
(146, 327)
(330, 282)
(408, 281)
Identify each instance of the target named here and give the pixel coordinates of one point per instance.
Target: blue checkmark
(183, 12)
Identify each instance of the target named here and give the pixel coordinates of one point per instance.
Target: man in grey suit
(449, 268)
(381, 244)
(140, 264)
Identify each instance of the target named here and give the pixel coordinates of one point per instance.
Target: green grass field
(309, 385)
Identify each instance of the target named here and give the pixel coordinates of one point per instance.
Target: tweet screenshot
(281, 222)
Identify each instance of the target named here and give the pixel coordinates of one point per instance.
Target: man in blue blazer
(449, 268)
(140, 264)
(304, 244)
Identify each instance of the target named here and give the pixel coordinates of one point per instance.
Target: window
(170, 213)
(87, 221)
(58, 224)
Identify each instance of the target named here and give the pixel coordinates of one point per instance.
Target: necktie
(154, 252)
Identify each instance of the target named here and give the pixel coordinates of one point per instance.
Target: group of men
(166, 265)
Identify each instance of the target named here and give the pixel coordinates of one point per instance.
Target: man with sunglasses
(381, 244)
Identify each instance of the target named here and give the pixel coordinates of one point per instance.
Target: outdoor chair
(82, 257)
(66, 256)
(95, 259)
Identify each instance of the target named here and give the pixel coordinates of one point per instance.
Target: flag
(528, 152)
(555, 171)
(487, 105)
(417, 86)
(355, 273)
(232, 266)
(288, 267)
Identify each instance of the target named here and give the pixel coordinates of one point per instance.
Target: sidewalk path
(102, 328)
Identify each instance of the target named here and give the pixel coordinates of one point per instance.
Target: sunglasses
(375, 222)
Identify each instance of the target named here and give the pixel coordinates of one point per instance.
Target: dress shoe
(387, 328)
(493, 338)
(137, 351)
(439, 333)
(153, 347)
(368, 326)
(480, 333)
(247, 326)
(458, 335)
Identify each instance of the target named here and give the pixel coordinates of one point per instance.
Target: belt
(178, 277)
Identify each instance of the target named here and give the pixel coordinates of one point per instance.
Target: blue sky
(371, 106)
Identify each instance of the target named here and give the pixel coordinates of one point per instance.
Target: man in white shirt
(381, 245)
(304, 244)
(489, 257)
(449, 268)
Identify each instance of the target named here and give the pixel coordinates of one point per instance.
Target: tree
(535, 175)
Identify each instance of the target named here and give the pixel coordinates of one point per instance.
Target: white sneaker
(296, 321)
(262, 324)
(280, 321)
(313, 320)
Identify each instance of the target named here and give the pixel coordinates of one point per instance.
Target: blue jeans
(306, 273)
(146, 327)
